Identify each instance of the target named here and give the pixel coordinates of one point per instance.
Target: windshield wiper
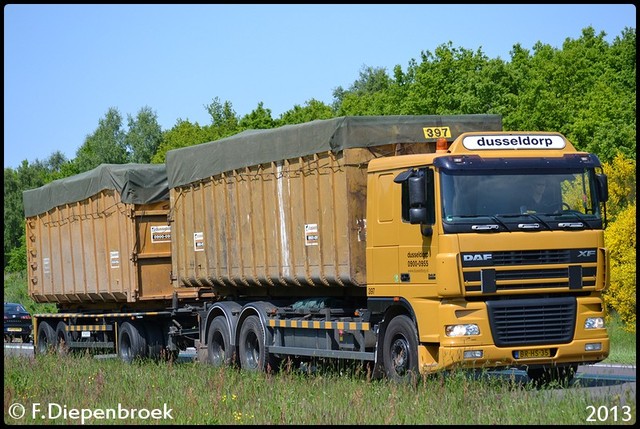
(497, 220)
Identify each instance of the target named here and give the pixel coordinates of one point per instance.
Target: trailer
(407, 243)
(99, 247)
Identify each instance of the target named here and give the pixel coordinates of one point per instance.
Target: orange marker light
(441, 145)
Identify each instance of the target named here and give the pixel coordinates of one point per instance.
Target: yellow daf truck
(413, 243)
(417, 243)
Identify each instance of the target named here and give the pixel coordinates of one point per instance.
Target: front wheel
(400, 350)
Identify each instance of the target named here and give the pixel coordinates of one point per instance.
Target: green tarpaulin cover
(255, 147)
(136, 184)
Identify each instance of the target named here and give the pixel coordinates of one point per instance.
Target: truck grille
(522, 322)
(493, 272)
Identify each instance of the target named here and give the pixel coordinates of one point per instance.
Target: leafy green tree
(312, 110)
(183, 134)
(144, 135)
(259, 118)
(586, 90)
(13, 215)
(17, 260)
(106, 145)
(368, 95)
(223, 117)
(26, 176)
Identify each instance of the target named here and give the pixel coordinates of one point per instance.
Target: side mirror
(417, 204)
(417, 194)
(603, 187)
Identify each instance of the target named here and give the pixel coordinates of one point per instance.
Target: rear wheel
(132, 343)
(219, 351)
(400, 350)
(63, 338)
(253, 355)
(46, 338)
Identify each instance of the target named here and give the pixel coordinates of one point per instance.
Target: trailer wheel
(253, 355)
(46, 338)
(63, 338)
(219, 350)
(562, 374)
(400, 350)
(132, 344)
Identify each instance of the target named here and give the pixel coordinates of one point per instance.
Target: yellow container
(285, 209)
(100, 239)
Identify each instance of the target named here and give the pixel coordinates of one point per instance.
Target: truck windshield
(498, 197)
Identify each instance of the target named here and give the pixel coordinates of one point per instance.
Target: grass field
(57, 389)
(71, 389)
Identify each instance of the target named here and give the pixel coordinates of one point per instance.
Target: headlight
(461, 330)
(594, 323)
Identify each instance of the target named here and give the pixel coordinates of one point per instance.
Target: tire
(562, 374)
(252, 353)
(63, 338)
(46, 338)
(132, 343)
(400, 350)
(155, 341)
(219, 350)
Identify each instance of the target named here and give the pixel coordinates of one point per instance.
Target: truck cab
(491, 276)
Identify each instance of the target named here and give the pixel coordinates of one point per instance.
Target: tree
(312, 110)
(183, 134)
(105, 146)
(26, 176)
(223, 117)
(144, 135)
(368, 95)
(259, 118)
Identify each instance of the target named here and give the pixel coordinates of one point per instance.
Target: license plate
(535, 353)
(15, 329)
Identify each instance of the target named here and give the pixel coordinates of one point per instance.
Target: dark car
(17, 322)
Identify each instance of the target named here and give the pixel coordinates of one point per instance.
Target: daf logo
(586, 253)
(477, 257)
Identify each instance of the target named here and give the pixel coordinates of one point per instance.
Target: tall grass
(201, 394)
(623, 343)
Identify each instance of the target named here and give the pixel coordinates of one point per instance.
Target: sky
(66, 65)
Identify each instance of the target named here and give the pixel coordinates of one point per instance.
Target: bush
(620, 238)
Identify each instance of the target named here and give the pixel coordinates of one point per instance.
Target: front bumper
(492, 356)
